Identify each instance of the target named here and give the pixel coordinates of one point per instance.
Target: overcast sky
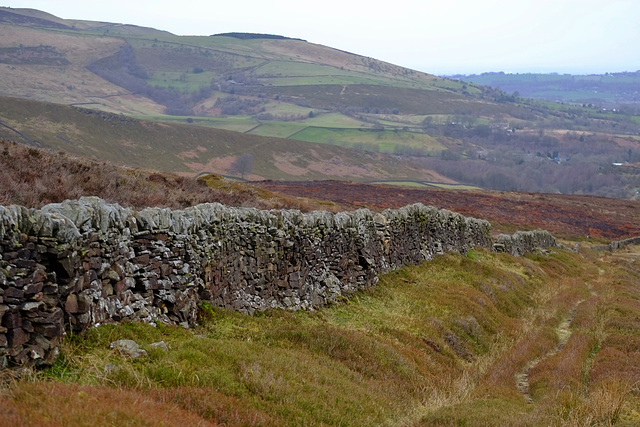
(438, 37)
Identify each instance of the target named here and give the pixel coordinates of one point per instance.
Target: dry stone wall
(77, 264)
(617, 244)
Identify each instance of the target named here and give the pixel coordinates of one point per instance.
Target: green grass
(360, 362)
(298, 69)
(381, 141)
(236, 123)
(183, 81)
(277, 129)
(332, 120)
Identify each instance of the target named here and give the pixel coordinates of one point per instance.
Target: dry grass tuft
(62, 404)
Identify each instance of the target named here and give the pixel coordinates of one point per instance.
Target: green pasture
(334, 120)
(279, 108)
(317, 80)
(381, 141)
(235, 123)
(282, 129)
(298, 69)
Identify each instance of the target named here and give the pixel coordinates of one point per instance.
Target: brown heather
(34, 177)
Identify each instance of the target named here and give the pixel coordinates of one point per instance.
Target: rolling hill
(610, 90)
(261, 85)
(190, 150)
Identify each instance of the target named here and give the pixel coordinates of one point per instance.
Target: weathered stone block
(13, 293)
(50, 330)
(71, 304)
(17, 337)
(33, 288)
(12, 320)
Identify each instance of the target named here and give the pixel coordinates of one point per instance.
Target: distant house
(617, 164)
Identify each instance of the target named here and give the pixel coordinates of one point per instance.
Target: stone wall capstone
(80, 263)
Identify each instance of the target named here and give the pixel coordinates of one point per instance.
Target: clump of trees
(576, 163)
(234, 105)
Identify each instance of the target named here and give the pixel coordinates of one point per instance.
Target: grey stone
(159, 345)
(128, 348)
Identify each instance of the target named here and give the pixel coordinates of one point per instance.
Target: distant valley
(611, 91)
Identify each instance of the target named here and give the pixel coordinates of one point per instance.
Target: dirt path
(563, 331)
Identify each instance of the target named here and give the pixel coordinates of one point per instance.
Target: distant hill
(335, 114)
(34, 177)
(610, 90)
(250, 36)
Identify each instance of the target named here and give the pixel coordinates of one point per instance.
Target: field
(192, 146)
(377, 141)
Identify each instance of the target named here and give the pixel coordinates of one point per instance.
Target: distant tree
(242, 164)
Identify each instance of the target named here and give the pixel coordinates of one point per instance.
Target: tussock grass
(64, 404)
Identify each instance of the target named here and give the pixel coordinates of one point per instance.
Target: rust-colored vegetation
(34, 177)
(481, 339)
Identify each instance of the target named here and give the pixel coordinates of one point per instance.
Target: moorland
(142, 117)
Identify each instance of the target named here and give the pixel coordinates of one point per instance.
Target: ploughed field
(563, 215)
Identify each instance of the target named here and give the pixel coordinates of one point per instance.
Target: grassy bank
(442, 343)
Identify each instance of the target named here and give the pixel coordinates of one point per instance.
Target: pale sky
(437, 37)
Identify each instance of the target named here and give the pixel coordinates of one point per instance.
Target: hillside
(33, 177)
(274, 86)
(190, 150)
